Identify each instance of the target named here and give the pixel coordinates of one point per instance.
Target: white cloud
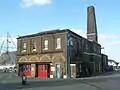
(28, 3)
(115, 43)
(109, 39)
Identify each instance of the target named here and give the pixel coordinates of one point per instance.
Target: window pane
(46, 44)
(23, 45)
(33, 45)
(58, 43)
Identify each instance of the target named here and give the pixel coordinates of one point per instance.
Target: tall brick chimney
(91, 24)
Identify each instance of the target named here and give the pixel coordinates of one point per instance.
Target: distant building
(114, 64)
(111, 62)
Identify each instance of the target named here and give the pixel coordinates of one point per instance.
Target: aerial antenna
(1, 47)
(7, 49)
(12, 41)
(7, 43)
(6, 57)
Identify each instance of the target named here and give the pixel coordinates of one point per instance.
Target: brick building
(57, 53)
(61, 53)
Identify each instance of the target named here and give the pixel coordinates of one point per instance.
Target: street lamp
(104, 49)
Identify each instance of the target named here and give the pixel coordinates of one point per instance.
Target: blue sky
(31, 16)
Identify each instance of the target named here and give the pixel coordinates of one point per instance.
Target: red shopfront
(42, 70)
(26, 68)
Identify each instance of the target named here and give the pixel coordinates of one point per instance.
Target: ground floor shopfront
(35, 70)
(55, 66)
(43, 66)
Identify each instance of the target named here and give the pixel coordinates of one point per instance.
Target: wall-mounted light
(51, 63)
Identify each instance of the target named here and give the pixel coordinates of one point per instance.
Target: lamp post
(102, 49)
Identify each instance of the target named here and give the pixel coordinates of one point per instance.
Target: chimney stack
(91, 24)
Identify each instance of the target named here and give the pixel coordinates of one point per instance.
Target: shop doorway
(58, 71)
(43, 70)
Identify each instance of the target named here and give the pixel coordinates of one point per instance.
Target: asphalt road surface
(108, 81)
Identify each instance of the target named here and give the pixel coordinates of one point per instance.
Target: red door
(28, 70)
(43, 71)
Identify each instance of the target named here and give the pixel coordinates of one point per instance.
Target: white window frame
(58, 43)
(24, 46)
(34, 44)
(46, 44)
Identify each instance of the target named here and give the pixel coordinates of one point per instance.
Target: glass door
(57, 70)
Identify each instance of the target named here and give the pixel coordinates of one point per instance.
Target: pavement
(106, 81)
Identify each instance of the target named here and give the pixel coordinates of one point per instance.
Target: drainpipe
(67, 57)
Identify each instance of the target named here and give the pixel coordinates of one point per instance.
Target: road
(108, 81)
